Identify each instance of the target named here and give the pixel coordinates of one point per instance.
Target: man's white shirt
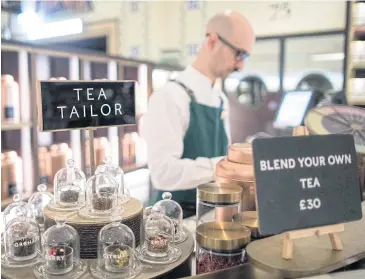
(164, 126)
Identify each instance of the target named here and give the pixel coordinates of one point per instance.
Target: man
(186, 126)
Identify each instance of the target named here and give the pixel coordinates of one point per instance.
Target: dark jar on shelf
(220, 245)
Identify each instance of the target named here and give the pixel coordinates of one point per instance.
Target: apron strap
(191, 93)
(187, 89)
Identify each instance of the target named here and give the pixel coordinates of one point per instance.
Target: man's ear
(211, 41)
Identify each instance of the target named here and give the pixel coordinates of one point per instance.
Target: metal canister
(126, 150)
(101, 147)
(10, 99)
(12, 167)
(220, 245)
(45, 166)
(133, 148)
(217, 202)
(237, 169)
(4, 178)
(250, 220)
(58, 155)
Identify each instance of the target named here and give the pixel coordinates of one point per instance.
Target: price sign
(65, 105)
(304, 182)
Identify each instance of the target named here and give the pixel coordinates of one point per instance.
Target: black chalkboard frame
(40, 112)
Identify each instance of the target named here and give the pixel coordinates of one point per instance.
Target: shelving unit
(14, 126)
(355, 75)
(30, 63)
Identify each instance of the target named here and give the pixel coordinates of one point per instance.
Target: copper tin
(234, 171)
(240, 153)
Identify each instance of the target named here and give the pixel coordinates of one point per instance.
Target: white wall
(305, 16)
(158, 25)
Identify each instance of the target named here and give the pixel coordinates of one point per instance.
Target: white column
(75, 134)
(26, 146)
(113, 131)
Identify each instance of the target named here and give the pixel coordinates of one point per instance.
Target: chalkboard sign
(65, 105)
(304, 182)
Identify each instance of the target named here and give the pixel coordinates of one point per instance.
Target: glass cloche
(116, 253)
(101, 196)
(159, 235)
(117, 173)
(10, 211)
(61, 252)
(146, 213)
(38, 201)
(22, 241)
(174, 211)
(69, 188)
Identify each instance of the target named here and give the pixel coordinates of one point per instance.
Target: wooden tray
(312, 255)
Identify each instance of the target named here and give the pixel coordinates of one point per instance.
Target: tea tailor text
(305, 162)
(91, 95)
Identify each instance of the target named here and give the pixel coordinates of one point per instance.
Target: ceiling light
(57, 29)
(336, 56)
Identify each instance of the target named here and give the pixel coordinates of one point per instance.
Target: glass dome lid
(118, 174)
(116, 255)
(21, 241)
(101, 196)
(159, 240)
(174, 211)
(10, 211)
(38, 201)
(61, 252)
(69, 188)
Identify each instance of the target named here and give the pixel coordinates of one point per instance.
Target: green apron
(205, 137)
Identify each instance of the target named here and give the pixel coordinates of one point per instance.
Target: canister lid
(240, 153)
(10, 154)
(7, 78)
(223, 193)
(223, 236)
(248, 219)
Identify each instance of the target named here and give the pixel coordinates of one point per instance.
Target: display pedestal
(88, 228)
(148, 271)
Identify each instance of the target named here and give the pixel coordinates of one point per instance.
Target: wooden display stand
(89, 228)
(319, 249)
(332, 231)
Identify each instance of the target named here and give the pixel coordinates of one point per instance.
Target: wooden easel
(332, 231)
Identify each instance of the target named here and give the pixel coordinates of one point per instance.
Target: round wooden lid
(338, 120)
(131, 209)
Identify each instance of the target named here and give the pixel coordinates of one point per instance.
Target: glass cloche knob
(70, 163)
(17, 198)
(108, 160)
(102, 168)
(20, 211)
(60, 221)
(42, 188)
(167, 196)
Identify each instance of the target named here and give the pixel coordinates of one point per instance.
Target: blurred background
(301, 45)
